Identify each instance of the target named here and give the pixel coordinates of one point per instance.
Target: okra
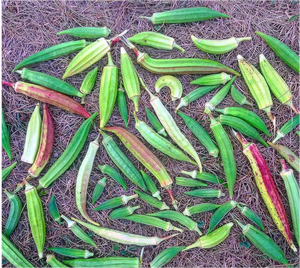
(122, 105)
(267, 188)
(83, 178)
(194, 95)
(53, 262)
(121, 213)
(122, 237)
(156, 40)
(211, 105)
(72, 252)
(49, 81)
(282, 51)
(165, 256)
(218, 46)
(239, 97)
(33, 134)
(203, 176)
(200, 134)
(189, 182)
(114, 174)
(206, 193)
(115, 202)
(6, 171)
(179, 217)
(14, 213)
(152, 201)
(54, 210)
(171, 82)
(183, 15)
(52, 52)
(241, 126)
(212, 79)
(87, 32)
(88, 83)
(155, 123)
(151, 185)
(36, 217)
(69, 155)
(77, 231)
(251, 215)
(98, 190)
(204, 207)
(122, 162)
(5, 137)
(287, 127)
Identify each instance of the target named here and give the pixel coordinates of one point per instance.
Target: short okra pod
(5, 137)
(53, 262)
(239, 97)
(189, 182)
(115, 202)
(114, 174)
(88, 83)
(77, 231)
(206, 193)
(72, 252)
(203, 176)
(212, 79)
(152, 201)
(155, 122)
(121, 213)
(151, 185)
(251, 215)
(87, 32)
(165, 256)
(171, 82)
(287, 127)
(7, 171)
(122, 104)
(204, 207)
(54, 210)
(98, 190)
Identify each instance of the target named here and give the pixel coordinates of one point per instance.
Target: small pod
(54, 210)
(287, 127)
(179, 217)
(203, 176)
(115, 202)
(33, 134)
(171, 82)
(72, 252)
(189, 182)
(88, 83)
(121, 213)
(206, 193)
(155, 123)
(98, 190)
(239, 97)
(122, 104)
(251, 215)
(53, 262)
(77, 231)
(152, 201)
(212, 79)
(151, 185)
(87, 32)
(114, 174)
(165, 256)
(6, 171)
(194, 95)
(14, 213)
(5, 137)
(156, 40)
(204, 207)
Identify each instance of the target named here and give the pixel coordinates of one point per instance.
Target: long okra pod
(122, 105)
(14, 213)
(251, 215)
(189, 211)
(5, 137)
(155, 122)
(123, 212)
(206, 193)
(203, 176)
(72, 252)
(87, 32)
(287, 127)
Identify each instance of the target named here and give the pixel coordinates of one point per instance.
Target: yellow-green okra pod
(108, 91)
(36, 217)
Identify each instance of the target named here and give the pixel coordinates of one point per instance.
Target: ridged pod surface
(123, 212)
(251, 215)
(212, 79)
(53, 209)
(87, 32)
(88, 83)
(189, 182)
(154, 202)
(239, 97)
(171, 82)
(114, 174)
(115, 202)
(98, 190)
(72, 252)
(151, 185)
(205, 193)
(165, 256)
(287, 127)
(122, 104)
(155, 123)
(204, 207)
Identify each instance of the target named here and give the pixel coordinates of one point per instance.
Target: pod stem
(284, 166)
(160, 239)
(294, 108)
(179, 48)
(248, 38)
(21, 184)
(271, 116)
(116, 38)
(174, 201)
(131, 46)
(240, 138)
(6, 83)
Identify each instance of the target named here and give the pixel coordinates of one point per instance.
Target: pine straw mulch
(29, 26)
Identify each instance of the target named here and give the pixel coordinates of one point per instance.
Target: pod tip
(261, 57)
(240, 57)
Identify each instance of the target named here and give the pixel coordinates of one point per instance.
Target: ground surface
(29, 26)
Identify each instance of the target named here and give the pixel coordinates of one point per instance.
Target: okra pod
(121, 213)
(72, 252)
(189, 182)
(114, 174)
(14, 213)
(115, 202)
(87, 32)
(6, 171)
(251, 215)
(155, 122)
(239, 97)
(204, 207)
(171, 82)
(53, 262)
(122, 105)
(152, 201)
(151, 185)
(206, 193)
(165, 256)
(98, 190)
(212, 79)
(5, 137)
(203, 176)
(54, 210)
(88, 83)
(287, 127)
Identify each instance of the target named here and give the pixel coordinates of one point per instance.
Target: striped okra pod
(215, 100)
(114, 174)
(204, 207)
(189, 182)
(156, 40)
(263, 242)
(121, 213)
(130, 79)
(72, 252)
(122, 104)
(277, 85)
(36, 217)
(54, 210)
(257, 86)
(122, 162)
(251, 215)
(122, 237)
(292, 190)
(155, 122)
(69, 155)
(213, 239)
(108, 91)
(212, 79)
(98, 190)
(115, 202)
(200, 134)
(53, 262)
(151, 185)
(87, 32)
(6, 171)
(178, 217)
(88, 83)
(14, 213)
(206, 193)
(83, 178)
(226, 151)
(33, 134)
(152, 201)
(52, 52)
(77, 231)
(165, 256)
(194, 95)
(267, 188)
(5, 137)
(239, 97)
(160, 143)
(203, 176)
(171, 82)
(287, 127)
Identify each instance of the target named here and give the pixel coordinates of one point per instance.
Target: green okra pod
(203, 176)
(189, 182)
(98, 190)
(87, 32)
(72, 252)
(251, 215)
(151, 185)
(155, 122)
(165, 256)
(88, 83)
(287, 127)
(239, 97)
(212, 79)
(206, 193)
(6, 171)
(115, 202)
(54, 210)
(5, 137)
(204, 207)
(152, 201)
(121, 213)
(55, 263)
(122, 104)
(114, 174)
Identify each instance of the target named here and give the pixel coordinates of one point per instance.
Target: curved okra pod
(14, 213)
(121, 213)
(122, 104)
(204, 207)
(205, 193)
(165, 256)
(98, 190)
(88, 83)
(73, 226)
(251, 215)
(151, 185)
(69, 155)
(54, 210)
(239, 97)
(203, 176)
(171, 82)
(124, 238)
(155, 122)
(108, 91)
(212, 79)
(52, 52)
(36, 217)
(226, 151)
(83, 178)
(114, 174)
(87, 32)
(189, 182)
(122, 162)
(5, 138)
(151, 200)
(287, 127)
(72, 252)
(53, 262)
(115, 202)
(267, 188)
(6, 171)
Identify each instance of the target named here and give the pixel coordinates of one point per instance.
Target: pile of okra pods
(137, 158)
